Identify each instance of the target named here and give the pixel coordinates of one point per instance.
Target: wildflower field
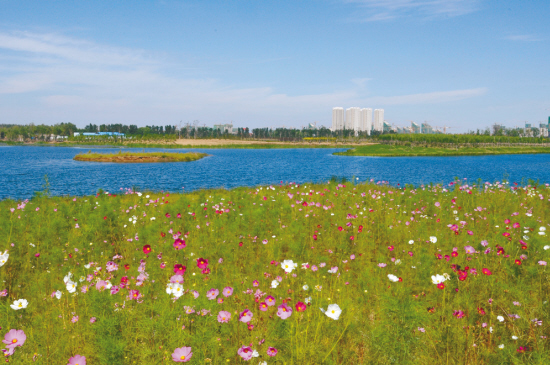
(289, 274)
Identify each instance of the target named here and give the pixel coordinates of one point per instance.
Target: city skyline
(458, 63)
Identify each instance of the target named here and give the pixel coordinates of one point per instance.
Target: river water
(22, 169)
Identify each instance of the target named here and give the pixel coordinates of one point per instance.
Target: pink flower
(202, 263)
(179, 244)
(245, 352)
(176, 279)
(255, 283)
(314, 268)
(224, 317)
(245, 316)
(263, 306)
(182, 354)
(92, 320)
(284, 311)
(14, 338)
(270, 301)
(469, 249)
(134, 295)
(179, 269)
(272, 351)
(212, 294)
(227, 291)
(195, 294)
(542, 263)
(74, 319)
(77, 360)
(100, 285)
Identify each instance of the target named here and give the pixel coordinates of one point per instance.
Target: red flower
(240, 244)
(506, 234)
(126, 267)
(124, 280)
(146, 249)
(202, 263)
(454, 254)
(340, 229)
(162, 234)
(431, 309)
(486, 271)
(104, 217)
(315, 237)
(462, 275)
(206, 270)
(400, 280)
(441, 286)
(523, 247)
(518, 262)
(178, 215)
(481, 311)
(167, 215)
(179, 269)
(300, 307)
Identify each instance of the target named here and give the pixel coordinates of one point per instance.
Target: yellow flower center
(223, 319)
(284, 309)
(183, 357)
(20, 305)
(14, 340)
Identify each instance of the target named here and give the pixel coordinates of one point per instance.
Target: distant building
(337, 119)
(223, 128)
(386, 127)
(98, 134)
(378, 120)
(353, 119)
(415, 128)
(366, 120)
(427, 129)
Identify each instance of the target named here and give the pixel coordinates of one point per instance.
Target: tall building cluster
(357, 119)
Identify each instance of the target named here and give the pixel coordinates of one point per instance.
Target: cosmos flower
(182, 354)
(270, 301)
(77, 360)
(179, 244)
(438, 279)
(174, 289)
(4, 258)
(333, 311)
(393, 278)
(14, 338)
(245, 352)
(284, 311)
(227, 291)
(433, 239)
(288, 265)
(245, 316)
(224, 317)
(212, 294)
(272, 351)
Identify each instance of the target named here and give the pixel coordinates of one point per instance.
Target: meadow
(331, 273)
(137, 157)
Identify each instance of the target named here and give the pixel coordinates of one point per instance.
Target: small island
(136, 157)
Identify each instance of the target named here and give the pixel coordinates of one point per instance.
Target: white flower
(446, 276)
(19, 304)
(288, 265)
(67, 278)
(411, 242)
(491, 329)
(109, 285)
(255, 353)
(500, 318)
(542, 229)
(153, 218)
(58, 294)
(501, 346)
(397, 262)
(438, 279)
(546, 247)
(274, 284)
(71, 286)
(175, 289)
(307, 300)
(305, 287)
(433, 239)
(305, 265)
(393, 278)
(4, 258)
(514, 337)
(82, 278)
(87, 266)
(333, 311)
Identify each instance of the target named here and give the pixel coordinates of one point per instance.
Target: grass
(136, 157)
(384, 150)
(363, 233)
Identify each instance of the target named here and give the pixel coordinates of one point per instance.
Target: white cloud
(523, 38)
(379, 10)
(61, 79)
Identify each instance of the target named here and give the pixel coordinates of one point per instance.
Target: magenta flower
(245, 316)
(179, 244)
(212, 294)
(245, 352)
(270, 301)
(77, 360)
(284, 311)
(263, 306)
(14, 338)
(134, 295)
(224, 317)
(114, 289)
(227, 291)
(92, 320)
(182, 354)
(179, 269)
(272, 351)
(202, 263)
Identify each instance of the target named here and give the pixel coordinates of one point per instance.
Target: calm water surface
(22, 169)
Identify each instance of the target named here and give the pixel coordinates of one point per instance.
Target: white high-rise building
(379, 120)
(366, 120)
(353, 118)
(337, 118)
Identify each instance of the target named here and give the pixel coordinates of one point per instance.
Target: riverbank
(134, 157)
(384, 150)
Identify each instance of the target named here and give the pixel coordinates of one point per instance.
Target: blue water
(22, 170)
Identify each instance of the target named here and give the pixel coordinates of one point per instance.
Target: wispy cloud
(379, 10)
(523, 38)
(56, 79)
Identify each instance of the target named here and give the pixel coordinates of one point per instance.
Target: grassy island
(385, 150)
(334, 273)
(133, 157)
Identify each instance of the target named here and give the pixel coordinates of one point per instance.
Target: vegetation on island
(410, 150)
(333, 273)
(133, 157)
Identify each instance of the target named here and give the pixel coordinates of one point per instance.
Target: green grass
(384, 150)
(311, 223)
(127, 157)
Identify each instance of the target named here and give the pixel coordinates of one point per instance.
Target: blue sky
(461, 63)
